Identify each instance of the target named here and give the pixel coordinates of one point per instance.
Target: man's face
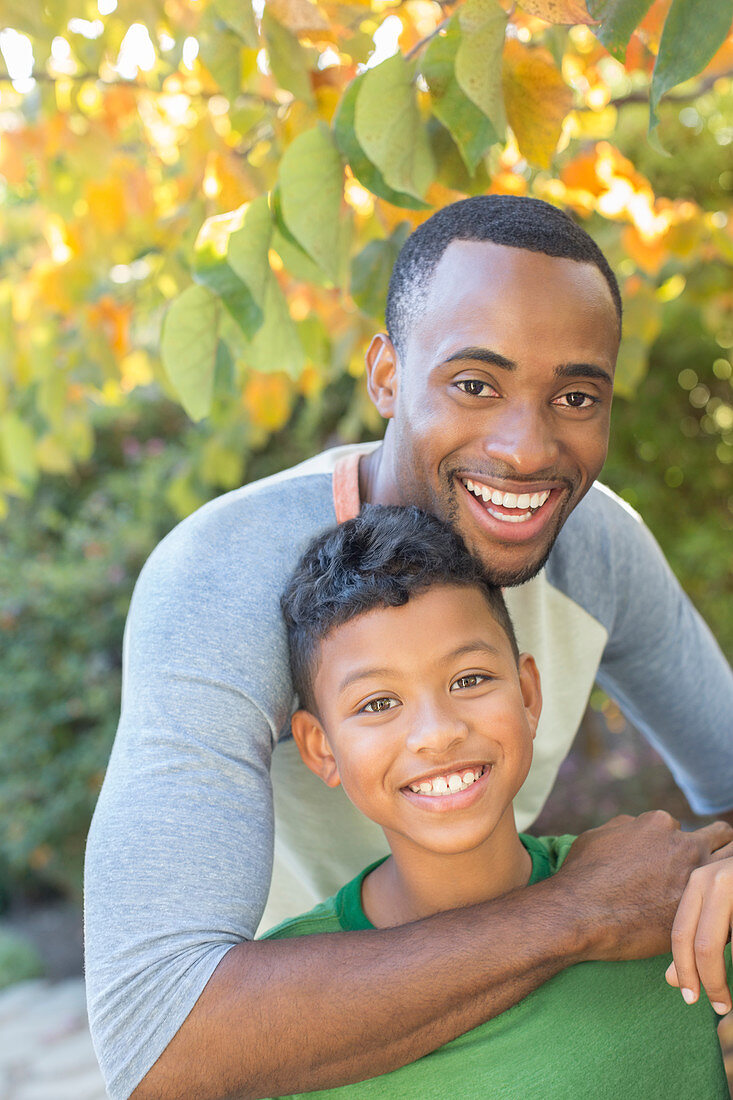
(500, 406)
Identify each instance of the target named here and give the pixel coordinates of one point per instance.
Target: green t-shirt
(596, 1031)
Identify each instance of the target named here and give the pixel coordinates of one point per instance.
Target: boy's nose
(436, 730)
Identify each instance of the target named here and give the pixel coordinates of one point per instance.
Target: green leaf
(212, 269)
(17, 447)
(478, 60)
(248, 248)
(311, 186)
(366, 172)
(389, 127)
(473, 132)
(689, 40)
(289, 62)
(188, 348)
(618, 21)
(276, 345)
(371, 270)
(238, 15)
(220, 50)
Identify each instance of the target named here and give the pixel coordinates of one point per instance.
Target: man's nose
(437, 729)
(522, 436)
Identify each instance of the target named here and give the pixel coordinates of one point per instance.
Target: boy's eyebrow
(362, 674)
(477, 645)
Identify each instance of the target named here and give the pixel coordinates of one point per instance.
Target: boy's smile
(426, 721)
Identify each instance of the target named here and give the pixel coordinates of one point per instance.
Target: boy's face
(425, 718)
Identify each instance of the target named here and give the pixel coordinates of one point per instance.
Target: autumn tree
(240, 179)
(202, 202)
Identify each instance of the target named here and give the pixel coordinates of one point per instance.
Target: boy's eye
(376, 706)
(472, 679)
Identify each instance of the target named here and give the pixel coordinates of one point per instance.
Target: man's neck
(377, 484)
(414, 882)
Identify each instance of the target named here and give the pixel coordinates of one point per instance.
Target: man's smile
(505, 506)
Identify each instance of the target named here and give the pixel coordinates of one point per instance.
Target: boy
(417, 701)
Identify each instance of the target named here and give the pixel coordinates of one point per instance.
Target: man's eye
(472, 679)
(376, 706)
(577, 400)
(474, 387)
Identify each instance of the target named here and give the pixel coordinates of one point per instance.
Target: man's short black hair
(379, 559)
(509, 220)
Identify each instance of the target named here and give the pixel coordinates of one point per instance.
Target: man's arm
(314, 1012)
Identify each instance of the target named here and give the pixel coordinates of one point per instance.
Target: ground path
(45, 1049)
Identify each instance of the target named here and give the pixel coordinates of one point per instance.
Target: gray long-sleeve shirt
(180, 851)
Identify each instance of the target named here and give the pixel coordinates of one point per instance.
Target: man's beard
(506, 577)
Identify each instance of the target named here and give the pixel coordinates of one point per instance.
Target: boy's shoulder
(343, 911)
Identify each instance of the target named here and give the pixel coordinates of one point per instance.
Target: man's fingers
(716, 835)
(683, 942)
(726, 852)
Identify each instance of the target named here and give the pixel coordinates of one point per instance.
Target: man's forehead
(479, 285)
(485, 262)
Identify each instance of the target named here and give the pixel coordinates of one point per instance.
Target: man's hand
(638, 870)
(701, 930)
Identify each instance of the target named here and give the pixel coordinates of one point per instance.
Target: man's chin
(506, 568)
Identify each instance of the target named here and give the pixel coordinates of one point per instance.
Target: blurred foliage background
(202, 203)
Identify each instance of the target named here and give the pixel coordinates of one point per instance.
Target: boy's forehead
(432, 621)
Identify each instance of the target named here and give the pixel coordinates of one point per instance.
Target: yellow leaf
(537, 100)
(106, 203)
(299, 16)
(558, 11)
(268, 399)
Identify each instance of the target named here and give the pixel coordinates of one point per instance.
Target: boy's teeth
(449, 783)
(523, 501)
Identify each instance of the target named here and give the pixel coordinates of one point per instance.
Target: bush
(68, 562)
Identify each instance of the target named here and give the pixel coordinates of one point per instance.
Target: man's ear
(313, 746)
(529, 682)
(381, 367)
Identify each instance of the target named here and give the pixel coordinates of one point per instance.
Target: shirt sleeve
(666, 671)
(179, 855)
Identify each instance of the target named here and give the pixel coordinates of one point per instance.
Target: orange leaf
(537, 100)
(579, 174)
(559, 11)
(647, 254)
(268, 399)
(508, 183)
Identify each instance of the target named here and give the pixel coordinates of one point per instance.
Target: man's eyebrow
(583, 370)
(484, 355)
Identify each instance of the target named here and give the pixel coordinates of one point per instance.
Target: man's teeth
(523, 501)
(449, 783)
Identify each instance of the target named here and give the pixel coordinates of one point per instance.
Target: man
(496, 380)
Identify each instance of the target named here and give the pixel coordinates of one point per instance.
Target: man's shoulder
(602, 553)
(262, 519)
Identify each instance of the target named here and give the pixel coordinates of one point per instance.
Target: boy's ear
(381, 368)
(529, 681)
(313, 746)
